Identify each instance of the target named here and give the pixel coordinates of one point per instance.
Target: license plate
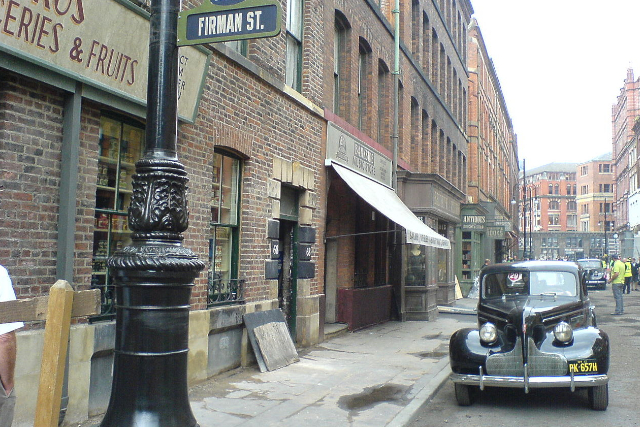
(583, 367)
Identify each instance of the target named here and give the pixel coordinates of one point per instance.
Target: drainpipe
(396, 83)
(398, 248)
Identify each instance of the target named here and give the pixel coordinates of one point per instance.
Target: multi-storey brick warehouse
(431, 146)
(490, 229)
(288, 144)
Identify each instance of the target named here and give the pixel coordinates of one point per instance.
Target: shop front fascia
(437, 203)
(471, 256)
(368, 235)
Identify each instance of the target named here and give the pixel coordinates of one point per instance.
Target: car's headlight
(563, 332)
(488, 333)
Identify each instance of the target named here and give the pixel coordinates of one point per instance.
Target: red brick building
(279, 220)
(550, 209)
(595, 181)
(623, 117)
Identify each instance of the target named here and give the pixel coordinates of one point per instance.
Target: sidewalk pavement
(379, 376)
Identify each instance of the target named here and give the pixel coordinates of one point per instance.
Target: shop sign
(495, 232)
(445, 203)
(506, 225)
(225, 20)
(348, 151)
(102, 43)
(473, 222)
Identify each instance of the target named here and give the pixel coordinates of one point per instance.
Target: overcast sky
(561, 65)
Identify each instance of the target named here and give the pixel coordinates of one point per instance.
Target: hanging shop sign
(495, 232)
(104, 44)
(225, 20)
(505, 224)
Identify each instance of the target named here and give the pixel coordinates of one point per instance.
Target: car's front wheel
(598, 397)
(463, 394)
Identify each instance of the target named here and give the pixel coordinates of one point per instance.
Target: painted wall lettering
(104, 43)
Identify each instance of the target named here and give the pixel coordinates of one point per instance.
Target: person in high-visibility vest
(617, 283)
(628, 273)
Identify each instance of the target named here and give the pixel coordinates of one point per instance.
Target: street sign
(225, 20)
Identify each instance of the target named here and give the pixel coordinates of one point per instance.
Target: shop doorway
(288, 274)
(499, 251)
(287, 280)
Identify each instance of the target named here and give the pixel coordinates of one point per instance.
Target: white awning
(387, 202)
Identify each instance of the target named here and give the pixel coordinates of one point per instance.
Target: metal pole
(154, 275)
(531, 217)
(606, 244)
(396, 84)
(524, 208)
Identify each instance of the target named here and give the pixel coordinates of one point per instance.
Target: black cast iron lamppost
(154, 275)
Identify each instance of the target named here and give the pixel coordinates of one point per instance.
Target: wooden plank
(85, 303)
(56, 342)
(276, 345)
(270, 339)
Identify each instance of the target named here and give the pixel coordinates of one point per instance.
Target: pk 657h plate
(583, 367)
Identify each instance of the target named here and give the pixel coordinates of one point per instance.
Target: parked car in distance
(595, 274)
(536, 329)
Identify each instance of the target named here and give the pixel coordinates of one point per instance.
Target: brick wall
(252, 118)
(30, 142)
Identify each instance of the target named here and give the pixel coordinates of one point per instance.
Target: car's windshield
(591, 263)
(529, 283)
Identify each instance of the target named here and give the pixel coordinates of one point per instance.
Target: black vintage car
(594, 272)
(536, 329)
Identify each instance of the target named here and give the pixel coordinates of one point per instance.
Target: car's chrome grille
(507, 364)
(541, 364)
(545, 364)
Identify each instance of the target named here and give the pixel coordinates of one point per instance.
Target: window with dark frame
(293, 70)
(224, 285)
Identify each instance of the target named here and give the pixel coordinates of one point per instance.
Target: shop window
(442, 255)
(416, 266)
(224, 285)
(121, 145)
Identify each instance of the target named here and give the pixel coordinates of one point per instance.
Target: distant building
(549, 211)
(568, 210)
(595, 199)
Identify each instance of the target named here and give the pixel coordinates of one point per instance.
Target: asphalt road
(555, 407)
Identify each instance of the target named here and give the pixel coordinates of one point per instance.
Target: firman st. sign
(226, 20)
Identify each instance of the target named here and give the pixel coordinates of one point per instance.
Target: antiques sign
(348, 151)
(103, 43)
(473, 222)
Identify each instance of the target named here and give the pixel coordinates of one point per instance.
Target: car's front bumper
(527, 382)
